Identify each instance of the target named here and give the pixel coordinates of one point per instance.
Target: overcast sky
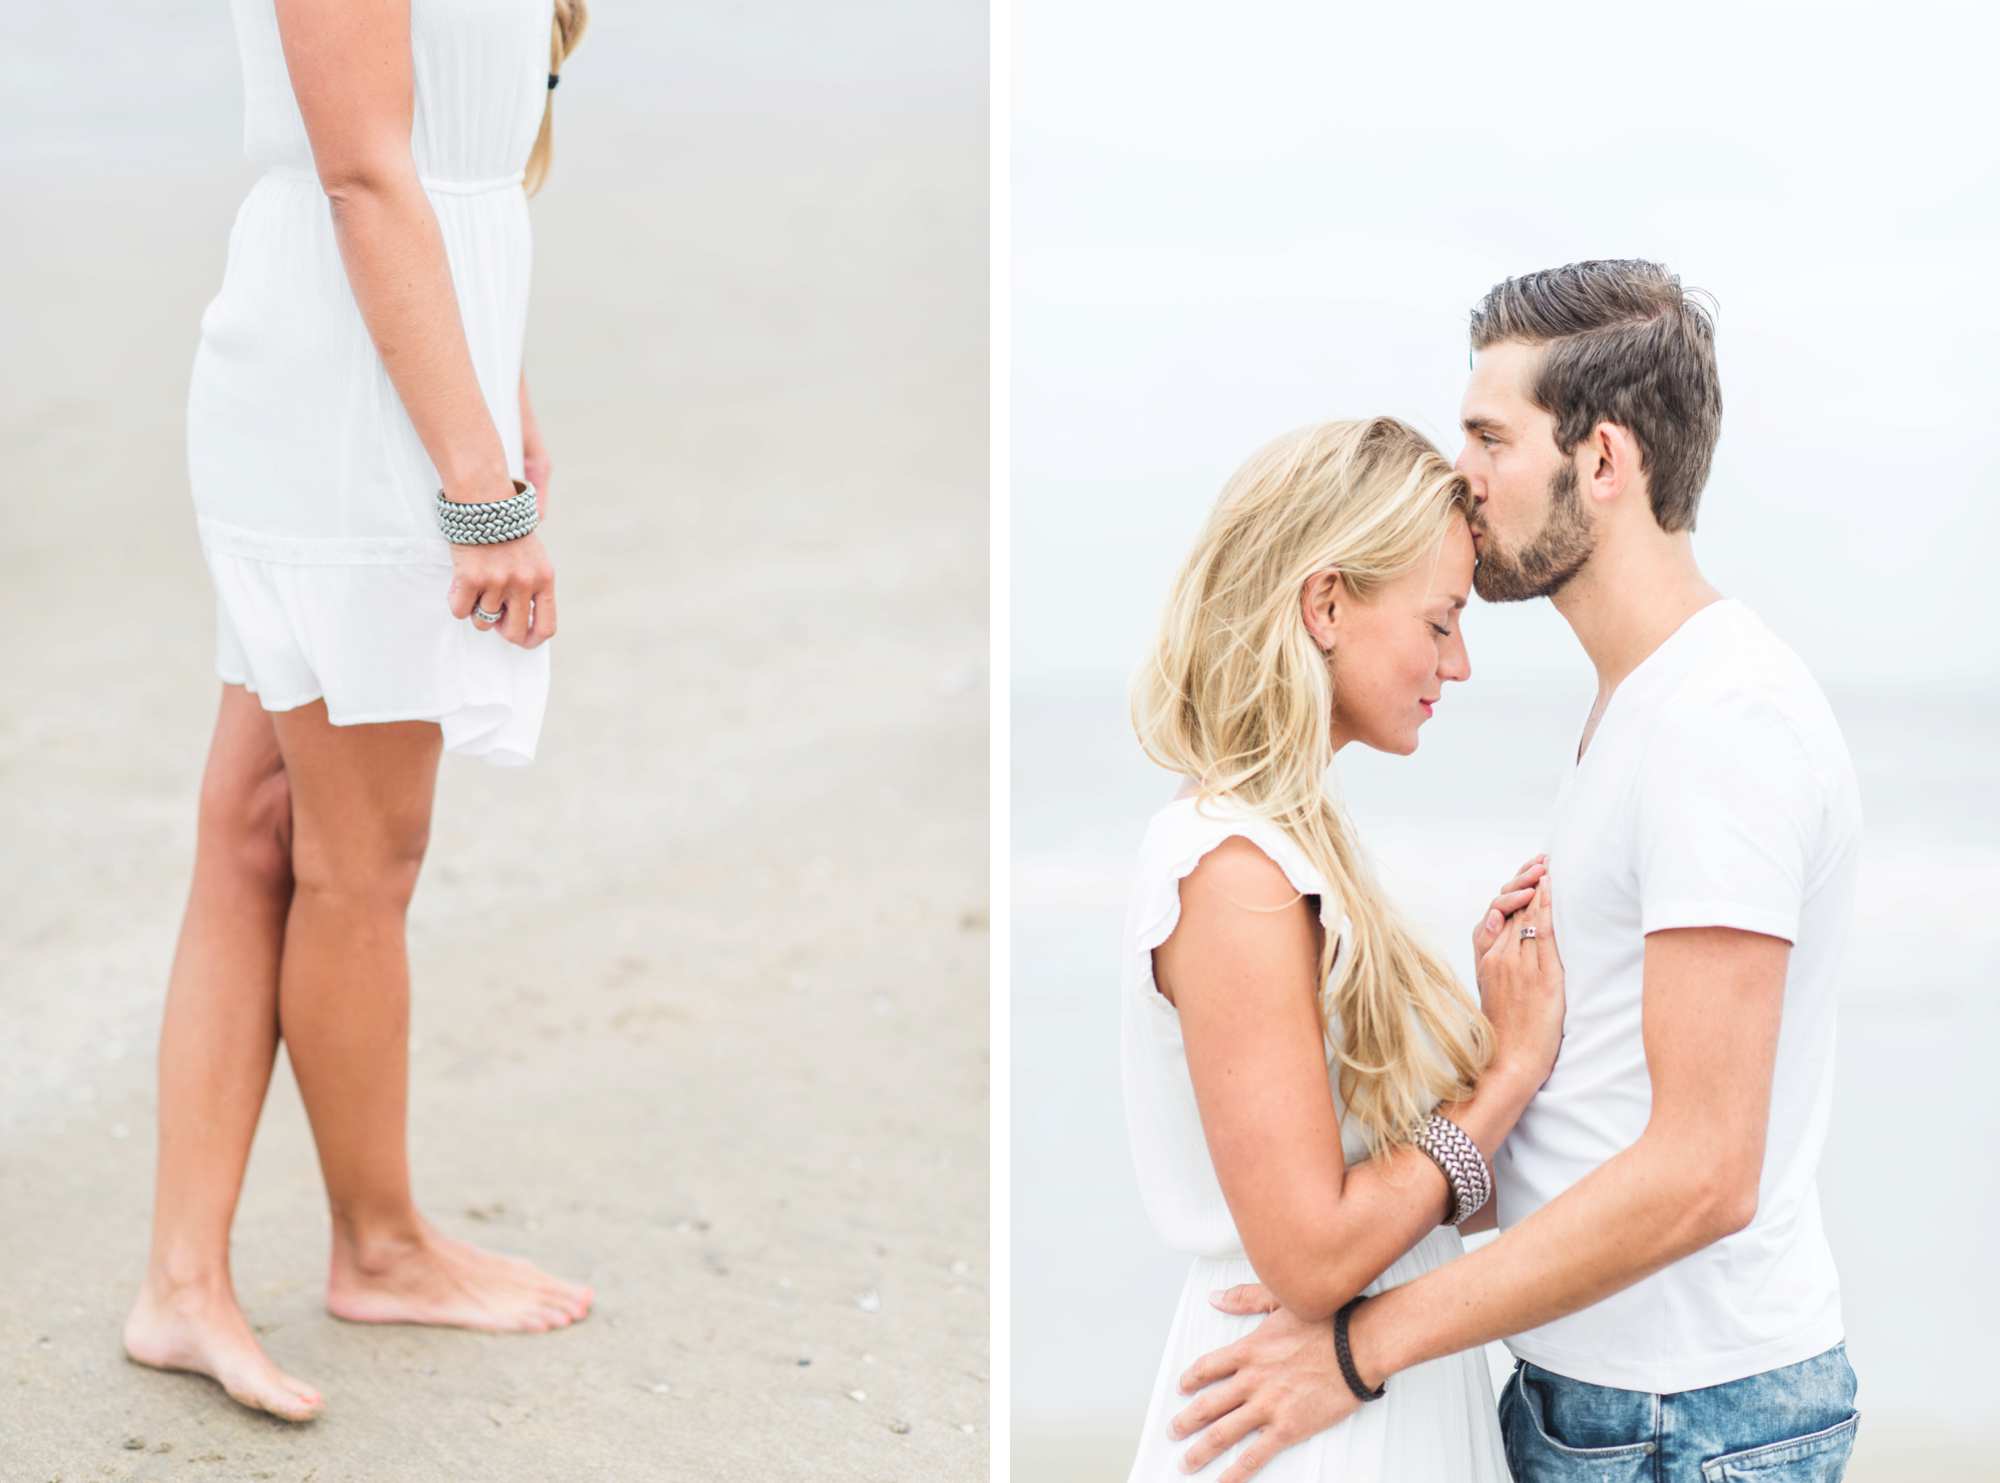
(1227, 227)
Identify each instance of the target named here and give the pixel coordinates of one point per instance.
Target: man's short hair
(1627, 345)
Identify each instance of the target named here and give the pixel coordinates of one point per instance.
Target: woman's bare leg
(218, 1039)
(361, 812)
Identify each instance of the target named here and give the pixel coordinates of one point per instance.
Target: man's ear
(1611, 463)
(1320, 601)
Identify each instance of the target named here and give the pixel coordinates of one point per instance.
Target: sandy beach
(700, 998)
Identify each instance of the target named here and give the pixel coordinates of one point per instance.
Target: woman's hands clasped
(1521, 973)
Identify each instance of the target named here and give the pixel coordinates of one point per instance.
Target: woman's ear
(1319, 605)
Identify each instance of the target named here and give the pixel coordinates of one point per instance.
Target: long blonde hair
(563, 36)
(1238, 695)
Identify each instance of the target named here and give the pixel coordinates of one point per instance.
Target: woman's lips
(1428, 707)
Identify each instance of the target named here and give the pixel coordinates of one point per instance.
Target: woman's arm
(536, 467)
(1488, 1218)
(349, 62)
(1243, 965)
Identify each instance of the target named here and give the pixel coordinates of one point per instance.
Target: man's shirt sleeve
(1730, 813)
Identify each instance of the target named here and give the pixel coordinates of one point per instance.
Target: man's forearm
(1638, 1213)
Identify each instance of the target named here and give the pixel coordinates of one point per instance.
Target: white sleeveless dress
(1437, 1424)
(313, 495)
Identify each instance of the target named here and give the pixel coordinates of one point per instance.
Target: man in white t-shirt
(1662, 1277)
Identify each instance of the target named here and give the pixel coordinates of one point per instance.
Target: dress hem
(498, 755)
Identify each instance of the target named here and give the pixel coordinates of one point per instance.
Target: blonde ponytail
(570, 19)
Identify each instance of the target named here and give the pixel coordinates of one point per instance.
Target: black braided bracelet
(1345, 1355)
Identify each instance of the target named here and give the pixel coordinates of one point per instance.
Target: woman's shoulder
(1183, 831)
(1192, 822)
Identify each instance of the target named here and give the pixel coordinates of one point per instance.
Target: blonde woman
(358, 384)
(1287, 1041)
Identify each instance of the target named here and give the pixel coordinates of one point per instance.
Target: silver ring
(484, 616)
(1527, 931)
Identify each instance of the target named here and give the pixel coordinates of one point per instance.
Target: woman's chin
(1402, 746)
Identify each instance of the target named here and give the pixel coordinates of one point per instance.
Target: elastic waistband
(228, 539)
(429, 182)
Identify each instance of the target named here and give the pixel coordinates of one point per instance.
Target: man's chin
(1497, 588)
(1511, 584)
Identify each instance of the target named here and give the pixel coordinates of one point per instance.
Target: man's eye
(1443, 633)
(1488, 439)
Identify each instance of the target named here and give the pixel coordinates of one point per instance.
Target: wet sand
(700, 998)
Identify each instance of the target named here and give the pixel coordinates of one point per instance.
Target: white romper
(313, 494)
(1437, 1423)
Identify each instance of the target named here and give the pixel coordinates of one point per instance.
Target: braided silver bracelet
(488, 522)
(1465, 1168)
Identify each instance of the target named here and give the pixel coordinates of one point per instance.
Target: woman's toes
(297, 1408)
(279, 1400)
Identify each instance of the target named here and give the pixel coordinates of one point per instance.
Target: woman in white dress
(1285, 1037)
(363, 354)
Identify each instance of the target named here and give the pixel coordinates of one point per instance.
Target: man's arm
(1712, 1003)
(1712, 998)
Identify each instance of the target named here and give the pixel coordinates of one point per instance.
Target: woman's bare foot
(425, 1276)
(199, 1327)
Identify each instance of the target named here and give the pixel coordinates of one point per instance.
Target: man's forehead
(1499, 381)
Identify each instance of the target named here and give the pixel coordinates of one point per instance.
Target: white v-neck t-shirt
(1715, 792)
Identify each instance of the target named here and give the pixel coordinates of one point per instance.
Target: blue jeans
(1795, 1424)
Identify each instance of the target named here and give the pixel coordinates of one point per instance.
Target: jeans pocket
(1816, 1457)
(1535, 1455)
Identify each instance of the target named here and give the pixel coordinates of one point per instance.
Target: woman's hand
(535, 469)
(535, 465)
(1280, 1380)
(513, 578)
(1516, 894)
(1521, 978)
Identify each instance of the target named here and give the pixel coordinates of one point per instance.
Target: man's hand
(1281, 1381)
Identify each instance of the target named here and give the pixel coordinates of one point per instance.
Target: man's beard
(1545, 564)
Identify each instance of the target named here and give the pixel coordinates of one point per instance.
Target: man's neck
(1627, 603)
